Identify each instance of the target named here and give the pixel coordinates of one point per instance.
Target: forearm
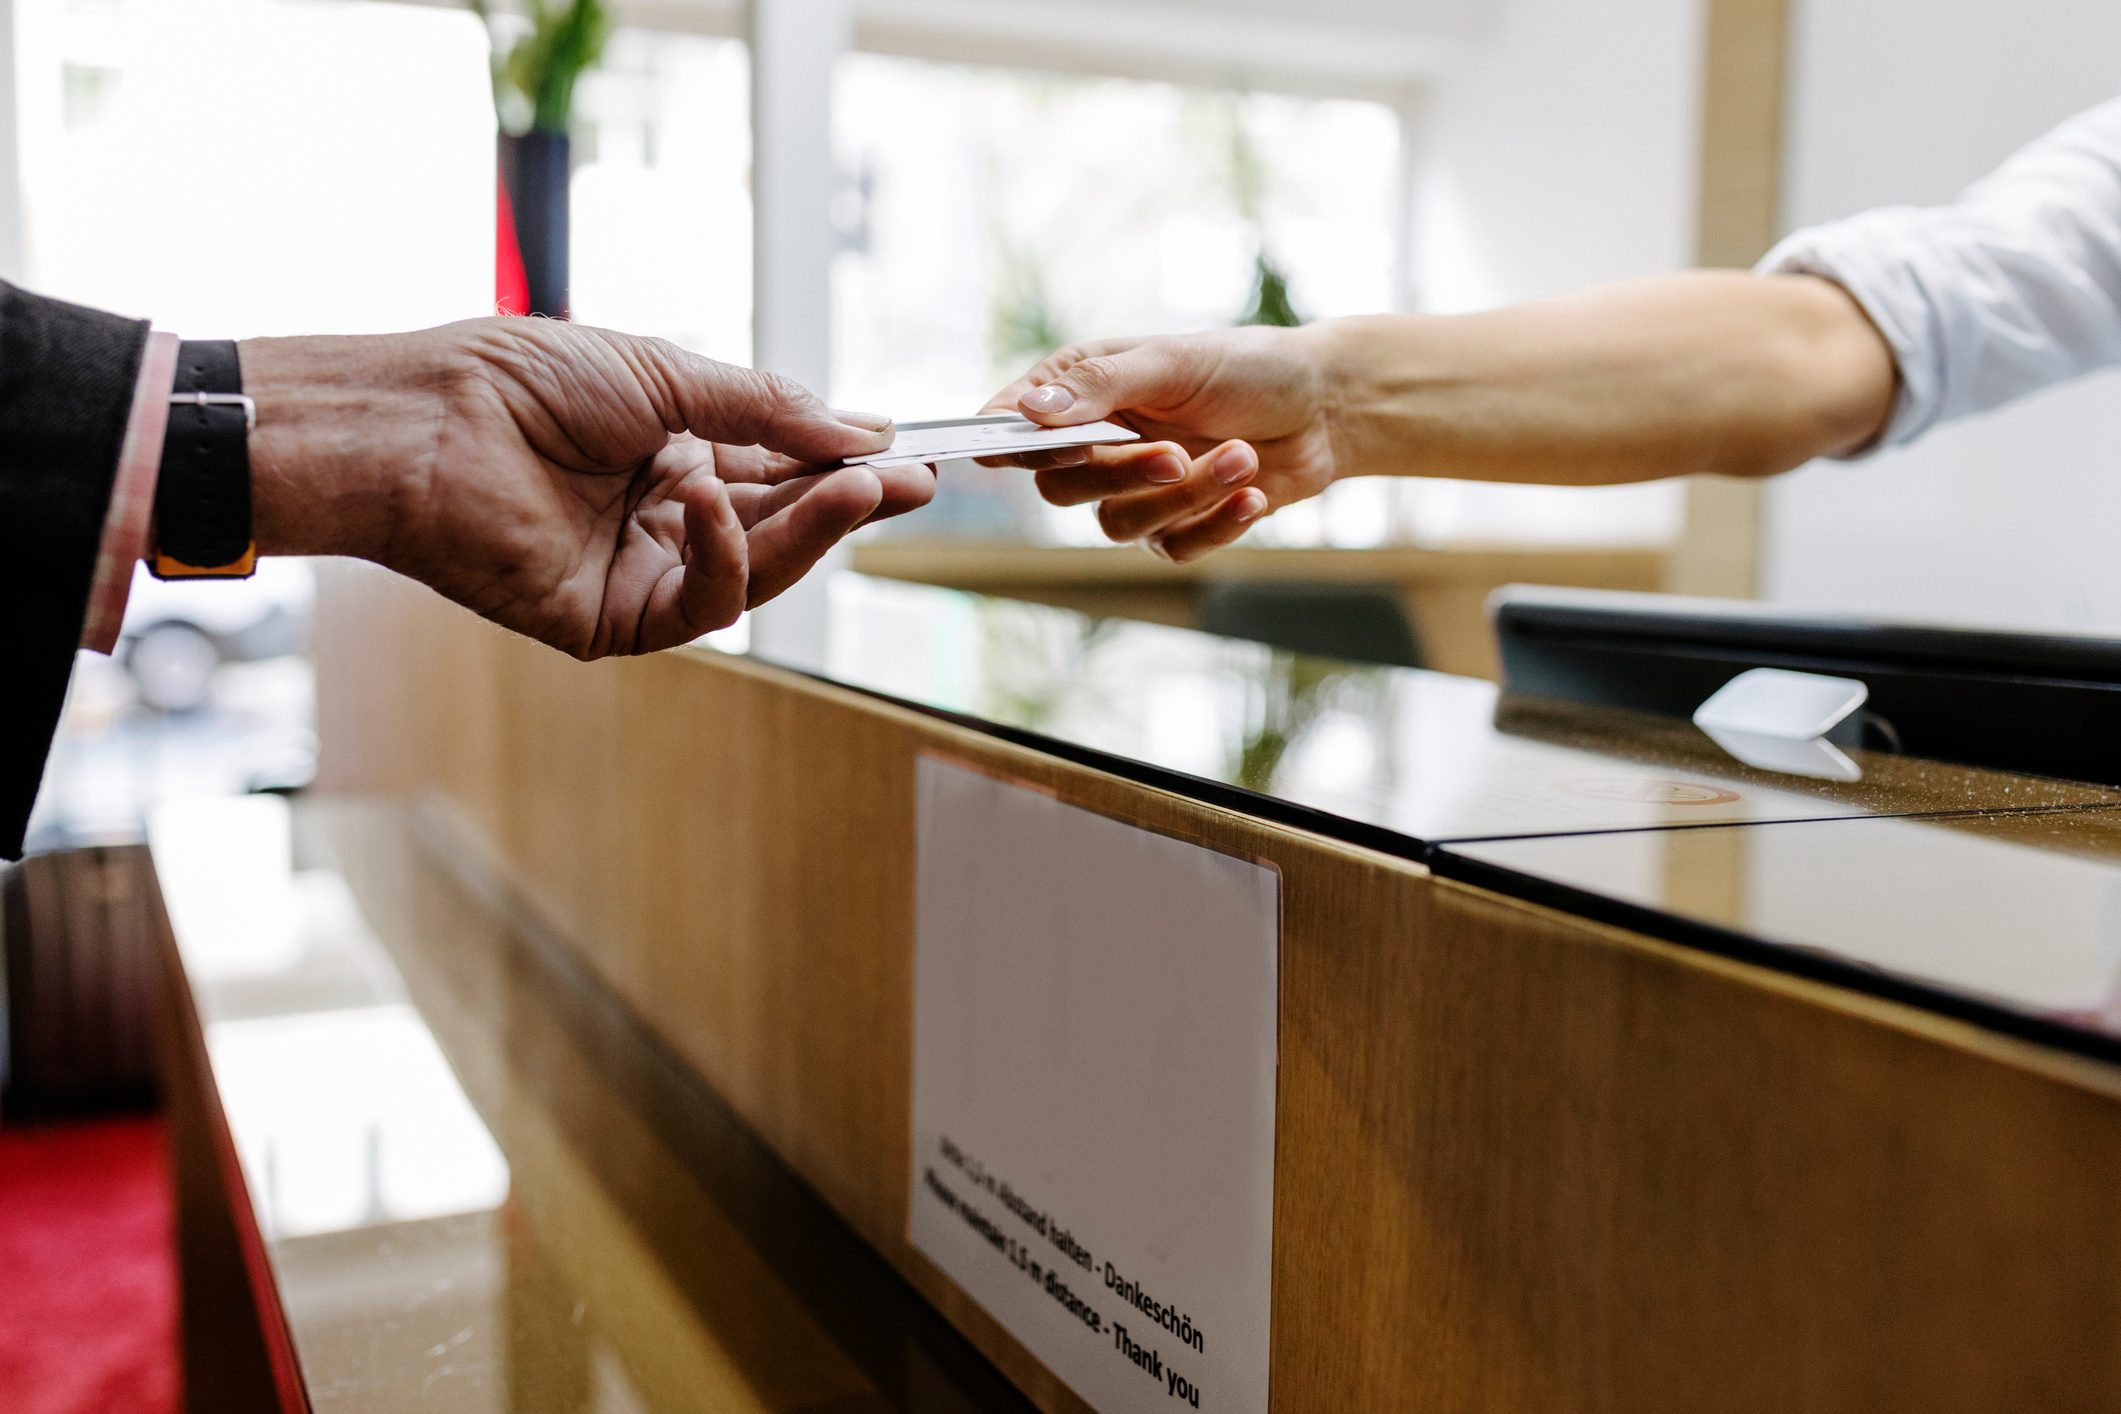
(1707, 371)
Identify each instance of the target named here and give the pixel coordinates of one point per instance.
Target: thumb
(1149, 374)
(720, 402)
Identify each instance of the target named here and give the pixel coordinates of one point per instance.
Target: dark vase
(534, 176)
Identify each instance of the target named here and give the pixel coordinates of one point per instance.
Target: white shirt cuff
(1887, 287)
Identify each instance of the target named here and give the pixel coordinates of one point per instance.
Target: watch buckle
(220, 400)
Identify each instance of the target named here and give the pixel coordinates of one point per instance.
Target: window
(236, 170)
(661, 215)
(151, 186)
(997, 213)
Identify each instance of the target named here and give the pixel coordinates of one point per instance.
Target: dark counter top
(1393, 758)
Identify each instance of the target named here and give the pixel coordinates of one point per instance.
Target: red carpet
(88, 1294)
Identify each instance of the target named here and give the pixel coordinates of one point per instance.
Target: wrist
(344, 424)
(1354, 377)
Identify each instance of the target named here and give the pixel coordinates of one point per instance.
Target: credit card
(994, 435)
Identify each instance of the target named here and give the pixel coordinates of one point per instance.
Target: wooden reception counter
(1613, 1074)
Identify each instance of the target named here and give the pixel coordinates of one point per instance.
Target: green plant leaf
(1023, 321)
(1270, 294)
(537, 74)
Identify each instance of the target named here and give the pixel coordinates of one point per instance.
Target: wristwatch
(202, 495)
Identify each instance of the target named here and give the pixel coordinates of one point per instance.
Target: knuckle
(1204, 491)
(649, 357)
(742, 403)
(1054, 490)
(780, 390)
(663, 368)
(747, 390)
(1112, 519)
(1054, 364)
(1095, 375)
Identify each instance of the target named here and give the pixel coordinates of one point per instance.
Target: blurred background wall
(2008, 518)
(1560, 149)
(907, 201)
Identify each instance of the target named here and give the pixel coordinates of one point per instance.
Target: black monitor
(2046, 704)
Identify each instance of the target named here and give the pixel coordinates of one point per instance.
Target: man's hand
(600, 492)
(1237, 425)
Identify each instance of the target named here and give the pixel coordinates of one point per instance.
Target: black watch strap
(202, 494)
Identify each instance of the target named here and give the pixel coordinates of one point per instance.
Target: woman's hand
(1237, 424)
(602, 493)
(1703, 371)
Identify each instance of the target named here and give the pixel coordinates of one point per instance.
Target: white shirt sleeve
(2011, 287)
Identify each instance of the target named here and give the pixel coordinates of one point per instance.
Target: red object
(88, 1299)
(511, 287)
(250, 1243)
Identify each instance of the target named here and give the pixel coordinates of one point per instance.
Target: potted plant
(533, 93)
(1269, 303)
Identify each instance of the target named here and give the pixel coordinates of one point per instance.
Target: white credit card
(994, 435)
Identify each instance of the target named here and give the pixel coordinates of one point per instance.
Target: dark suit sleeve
(66, 392)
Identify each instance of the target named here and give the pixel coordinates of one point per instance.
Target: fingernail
(1049, 398)
(1249, 505)
(867, 421)
(1070, 456)
(1164, 470)
(1231, 465)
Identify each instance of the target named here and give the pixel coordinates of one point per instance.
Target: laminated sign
(1093, 1090)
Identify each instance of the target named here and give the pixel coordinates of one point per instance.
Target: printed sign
(1093, 1090)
